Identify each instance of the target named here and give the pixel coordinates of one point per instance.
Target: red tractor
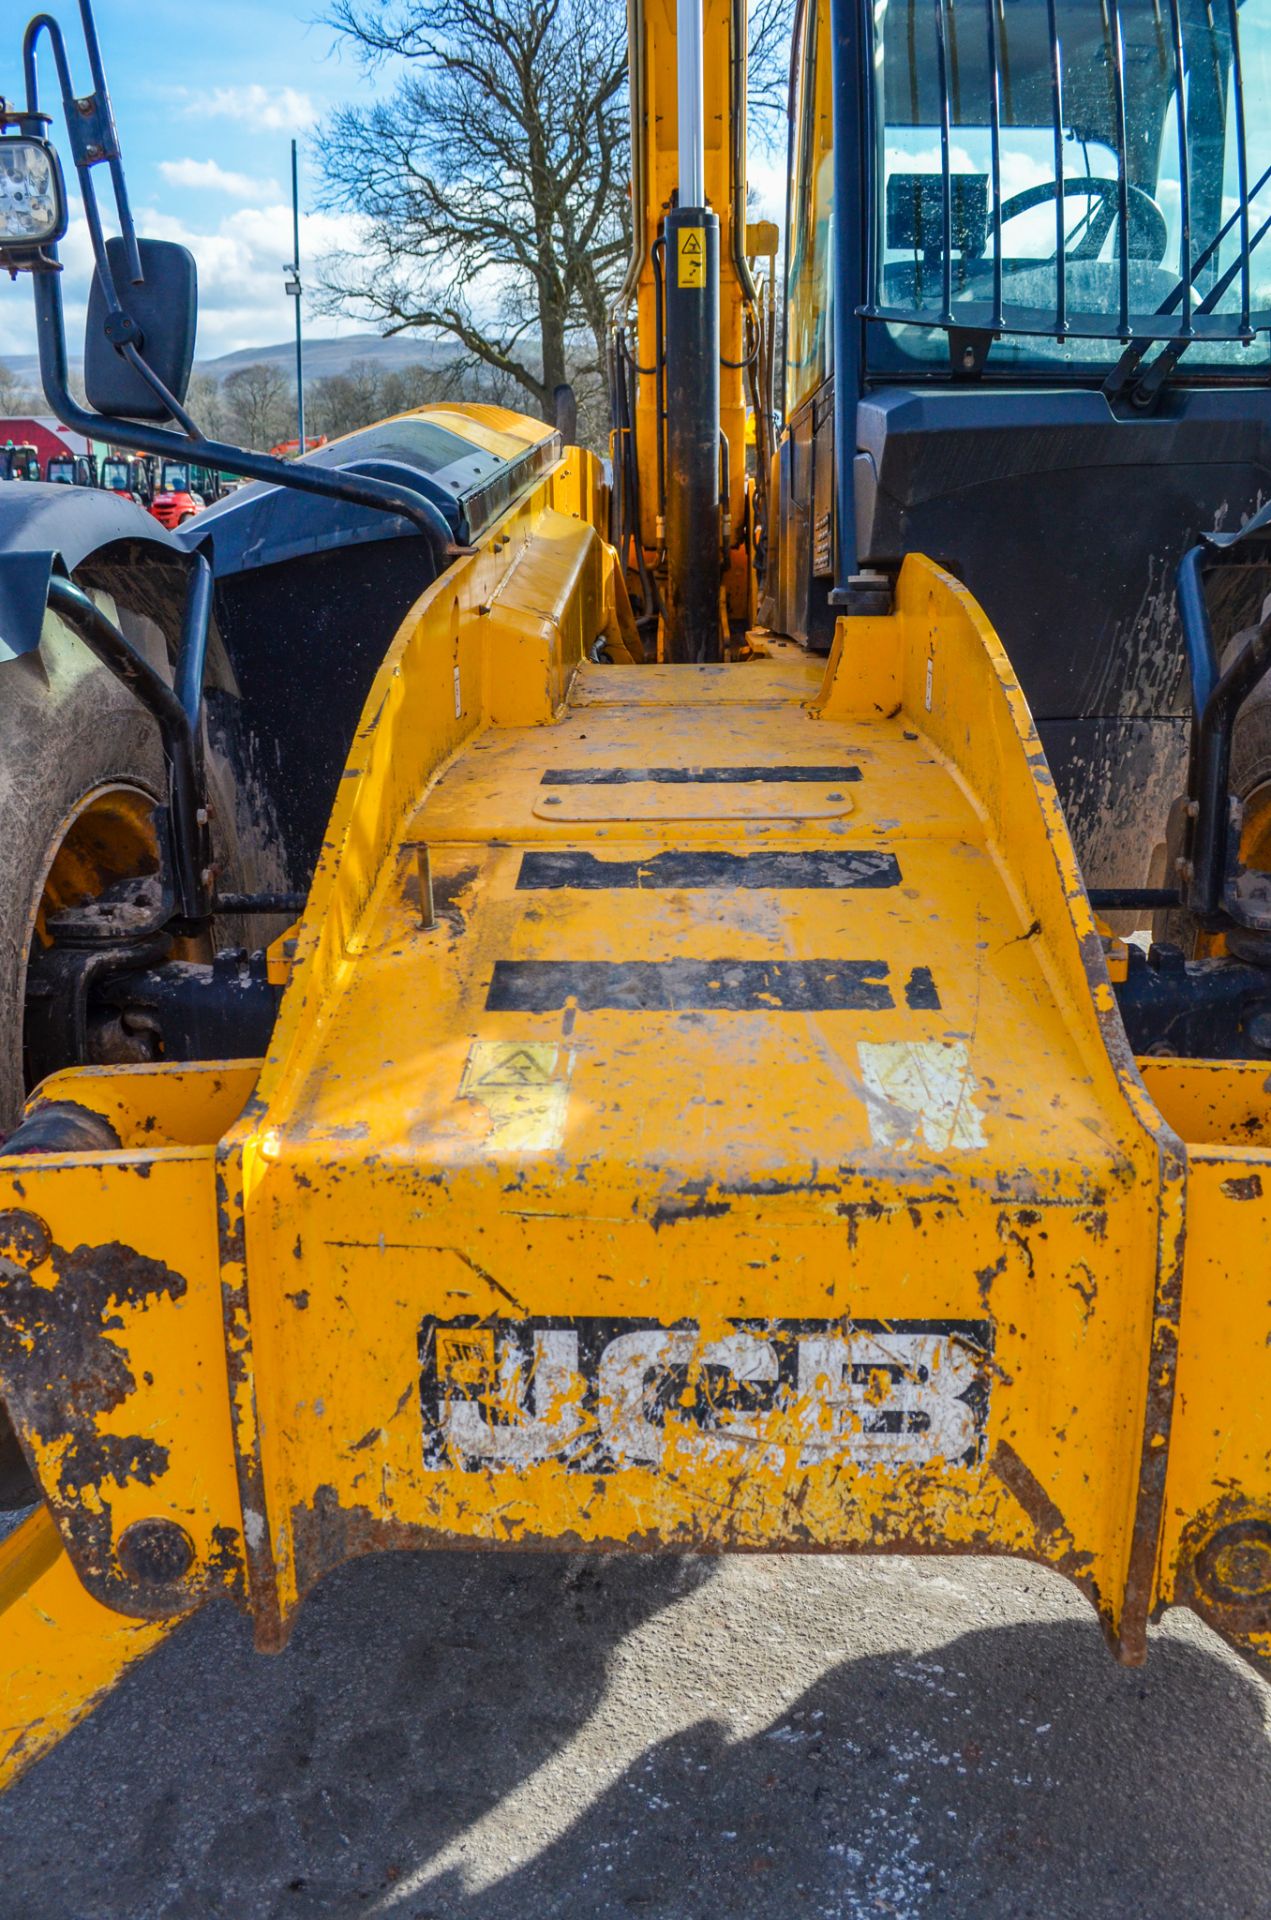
(127, 475)
(175, 499)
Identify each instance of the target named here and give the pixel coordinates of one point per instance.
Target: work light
(32, 198)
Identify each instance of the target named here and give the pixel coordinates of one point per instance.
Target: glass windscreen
(1070, 174)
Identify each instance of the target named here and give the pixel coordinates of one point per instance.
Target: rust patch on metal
(984, 1278)
(1087, 1294)
(1162, 1368)
(669, 1213)
(1249, 1187)
(62, 1372)
(261, 1576)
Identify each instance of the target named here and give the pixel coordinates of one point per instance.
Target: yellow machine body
(655, 157)
(698, 1117)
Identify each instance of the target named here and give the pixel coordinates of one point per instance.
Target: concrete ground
(463, 1737)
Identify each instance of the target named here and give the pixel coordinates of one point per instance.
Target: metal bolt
(155, 1553)
(427, 909)
(1233, 1567)
(24, 1238)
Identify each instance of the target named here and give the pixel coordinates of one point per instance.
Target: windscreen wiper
(1146, 390)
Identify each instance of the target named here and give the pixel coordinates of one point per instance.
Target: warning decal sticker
(691, 257)
(600, 1396)
(522, 1090)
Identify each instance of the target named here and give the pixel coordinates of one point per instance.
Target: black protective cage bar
(95, 142)
(1181, 317)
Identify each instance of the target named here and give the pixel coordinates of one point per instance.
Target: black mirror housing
(165, 312)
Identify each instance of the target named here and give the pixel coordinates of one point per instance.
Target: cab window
(809, 277)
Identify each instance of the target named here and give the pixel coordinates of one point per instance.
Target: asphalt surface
(464, 1737)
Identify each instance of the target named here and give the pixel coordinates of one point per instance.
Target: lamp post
(293, 288)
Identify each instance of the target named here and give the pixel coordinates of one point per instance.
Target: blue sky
(207, 97)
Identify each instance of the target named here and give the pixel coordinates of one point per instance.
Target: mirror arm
(108, 139)
(135, 360)
(328, 482)
(94, 140)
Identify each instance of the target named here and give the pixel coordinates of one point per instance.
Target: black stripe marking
(920, 991)
(690, 986)
(696, 776)
(549, 872)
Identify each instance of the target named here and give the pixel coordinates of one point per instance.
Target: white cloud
(274, 109)
(766, 188)
(207, 173)
(241, 298)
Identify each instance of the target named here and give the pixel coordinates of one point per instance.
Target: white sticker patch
(924, 1094)
(458, 696)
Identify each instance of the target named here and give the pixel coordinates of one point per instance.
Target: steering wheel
(1148, 234)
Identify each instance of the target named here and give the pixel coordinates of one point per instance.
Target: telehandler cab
(552, 1004)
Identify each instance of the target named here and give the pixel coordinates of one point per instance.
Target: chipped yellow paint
(716, 1171)
(655, 1192)
(126, 1409)
(61, 1649)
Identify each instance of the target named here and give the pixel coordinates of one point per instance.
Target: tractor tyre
(81, 767)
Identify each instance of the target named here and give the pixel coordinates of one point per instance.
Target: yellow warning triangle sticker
(520, 1066)
(691, 242)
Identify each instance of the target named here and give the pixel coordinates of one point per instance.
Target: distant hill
(336, 356)
(321, 356)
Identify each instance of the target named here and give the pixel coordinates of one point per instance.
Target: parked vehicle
(126, 474)
(176, 499)
(72, 470)
(19, 463)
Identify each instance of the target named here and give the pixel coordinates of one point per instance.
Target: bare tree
(206, 402)
(17, 398)
(339, 403)
(491, 183)
(259, 405)
(769, 28)
(420, 385)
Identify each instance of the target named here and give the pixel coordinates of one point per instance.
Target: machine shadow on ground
(464, 1737)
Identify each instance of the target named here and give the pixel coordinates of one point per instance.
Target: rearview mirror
(165, 311)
